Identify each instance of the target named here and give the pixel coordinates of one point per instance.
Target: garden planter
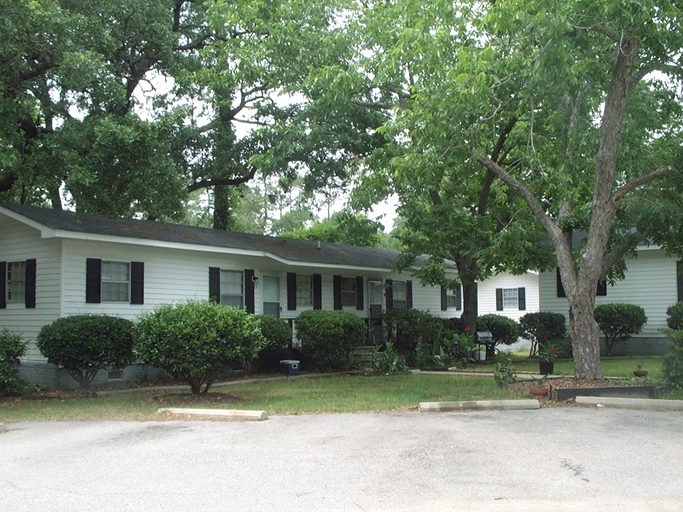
(640, 373)
(538, 391)
(545, 367)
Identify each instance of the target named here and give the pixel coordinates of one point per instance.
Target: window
(16, 281)
(232, 288)
(304, 290)
(400, 295)
(453, 299)
(348, 291)
(115, 281)
(510, 298)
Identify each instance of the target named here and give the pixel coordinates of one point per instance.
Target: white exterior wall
(19, 242)
(650, 282)
(487, 294)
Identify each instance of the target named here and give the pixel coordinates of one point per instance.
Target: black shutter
(458, 298)
(249, 290)
(291, 291)
(602, 288)
(93, 280)
(317, 291)
(679, 279)
(409, 294)
(499, 299)
(336, 292)
(215, 284)
(3, 284)
(444, 299)
(560, 288)
(30, 288)
(389, 286)
(521, 298)
(360, 299)
(137, 282)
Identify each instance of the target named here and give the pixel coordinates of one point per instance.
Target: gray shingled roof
(303, 251)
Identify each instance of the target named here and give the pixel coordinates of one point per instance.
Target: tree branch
(495, 154)
(221, 182)
(617, 253)
(640, 181)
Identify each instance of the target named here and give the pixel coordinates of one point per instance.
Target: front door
(375, 298)
(271, 295)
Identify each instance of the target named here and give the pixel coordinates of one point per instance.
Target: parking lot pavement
(552, 459)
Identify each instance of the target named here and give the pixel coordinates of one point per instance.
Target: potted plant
(639, 372)
(538, 389)
(547, 354)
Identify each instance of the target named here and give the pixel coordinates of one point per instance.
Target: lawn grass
(621, 367)
(336, 394)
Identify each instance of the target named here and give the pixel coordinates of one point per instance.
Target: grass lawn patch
(611, 366)
(336, 394)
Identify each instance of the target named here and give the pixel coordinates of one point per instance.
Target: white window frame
(510, 298)
(304, 290)
(15, 280)
(399, 294)
(110, 281)
(224, 295)
(348, 292)
(452, 299)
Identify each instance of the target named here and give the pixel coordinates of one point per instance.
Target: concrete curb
(631, 403)
(234, 414)
(479, 405)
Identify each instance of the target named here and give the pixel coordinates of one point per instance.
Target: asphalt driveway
(550, 459)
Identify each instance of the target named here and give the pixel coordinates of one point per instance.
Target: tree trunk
(221, 208)
(470, 307)
(584, 333)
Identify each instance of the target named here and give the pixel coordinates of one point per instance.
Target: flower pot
(538, 391)
(640, 373)
(545, 367)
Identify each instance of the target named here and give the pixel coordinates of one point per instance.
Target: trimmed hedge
(619, 322)
(327, 338)
(11, 349)
(198, 341)
(503, 329)
(675, 316)
(83, 344)
(409, 328)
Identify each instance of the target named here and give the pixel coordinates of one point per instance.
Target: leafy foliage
(672, 368)
(542, 328)
(619, 322)
(503, 329)
(675, 316)
(277, 336)
(406, 328)
(503, 369)
(327, 337)
(11, 349)
(388, 361)
(198, 341)
(83, 344)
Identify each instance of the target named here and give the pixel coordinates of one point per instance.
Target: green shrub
(453, 325)
(503, 329)
(675, 316)
(83, 344)
(619, 322)
(327, 338)
(388, 361)
(542, 328)
(406, 328)
(672, 368)
(277, 336)
(198, 341)
(11, 349)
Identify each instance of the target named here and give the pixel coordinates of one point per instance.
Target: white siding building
(55, 264)
(652, 281)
